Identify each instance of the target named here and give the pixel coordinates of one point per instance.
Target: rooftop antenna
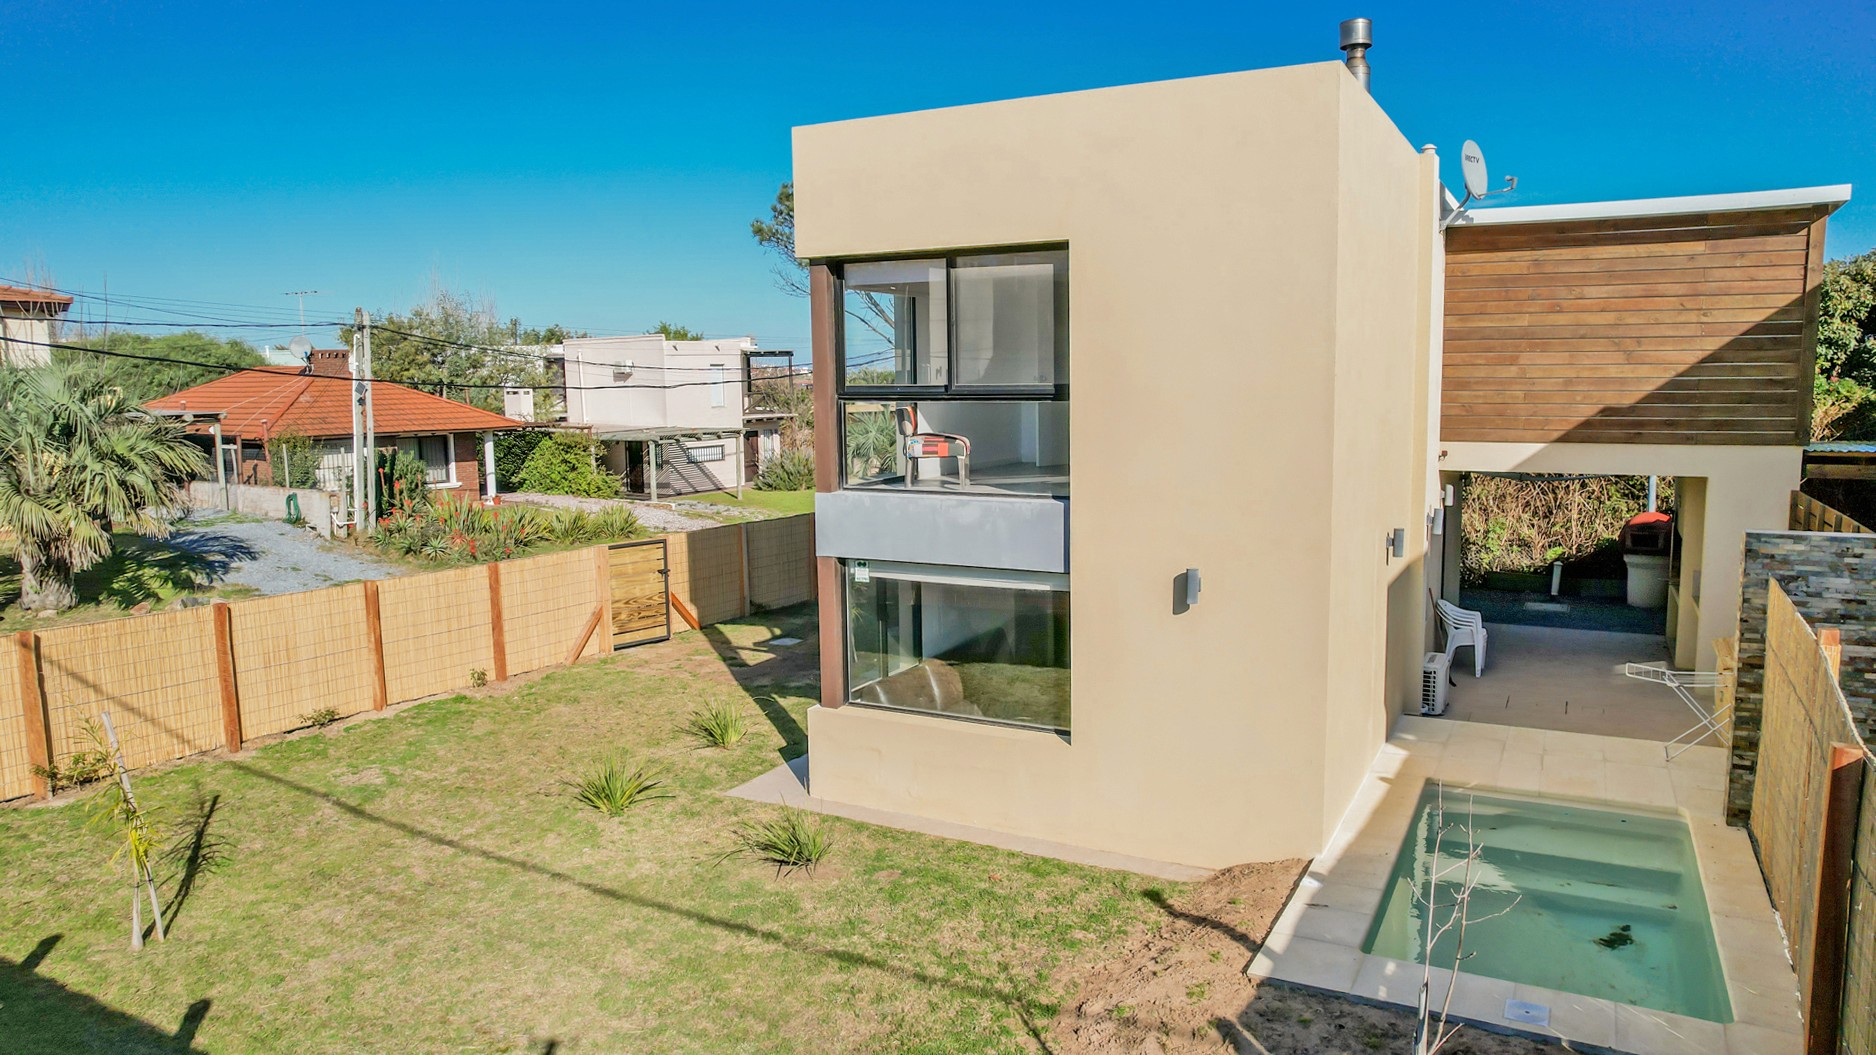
(1478, 187)
(303, 294)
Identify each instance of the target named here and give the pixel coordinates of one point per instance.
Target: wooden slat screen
(1685, 329)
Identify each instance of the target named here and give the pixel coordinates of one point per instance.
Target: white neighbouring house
(671, 415)
(26, 324)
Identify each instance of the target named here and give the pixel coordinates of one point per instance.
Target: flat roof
(1829, 197)
(662, 432)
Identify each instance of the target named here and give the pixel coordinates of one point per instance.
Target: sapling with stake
(116, 806)
(1430, 1035)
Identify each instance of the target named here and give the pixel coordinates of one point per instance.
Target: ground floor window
(970, 643)
(438, 455)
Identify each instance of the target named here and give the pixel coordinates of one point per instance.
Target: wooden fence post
(374, 629)
(498, 633)
(224, 669)
(1843, 792)
(742, 552)
(33, 707)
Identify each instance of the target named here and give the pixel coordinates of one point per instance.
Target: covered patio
(1571, 680)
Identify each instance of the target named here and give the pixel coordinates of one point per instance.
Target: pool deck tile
(1317, 940)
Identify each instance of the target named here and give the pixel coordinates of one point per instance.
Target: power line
(277, 371)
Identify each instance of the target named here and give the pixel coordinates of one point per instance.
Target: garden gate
(641, 600)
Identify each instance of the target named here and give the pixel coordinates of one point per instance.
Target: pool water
(1601, 903)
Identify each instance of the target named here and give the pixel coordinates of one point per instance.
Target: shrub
(80, 767)
(1522, 525)
(717, 724)
(293, 461)
(796, 839)
(612, 787)
(790, 470)
(454, 531)
(320, 718)
(512, 450)
(478, 678)
(563, 464)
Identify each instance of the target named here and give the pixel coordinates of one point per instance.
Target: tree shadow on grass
(197, 852)
(39, 1016)
(140, 569)
(1027, 1010)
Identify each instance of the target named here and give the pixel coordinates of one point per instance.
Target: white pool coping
(1317, 940)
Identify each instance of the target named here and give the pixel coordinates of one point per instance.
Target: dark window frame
(845, 582)
(951, 389)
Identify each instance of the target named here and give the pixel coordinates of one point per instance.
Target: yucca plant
(717, 724)
(614, 786)
(795, 839)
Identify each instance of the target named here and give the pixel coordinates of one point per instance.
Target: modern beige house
(1040, 616)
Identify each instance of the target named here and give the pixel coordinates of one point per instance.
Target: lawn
(425, 882)
(786, 503)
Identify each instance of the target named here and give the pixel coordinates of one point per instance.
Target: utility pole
(371, 427)
(364, 472)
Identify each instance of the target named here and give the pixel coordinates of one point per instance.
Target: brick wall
(1831, 580)
(469, 462)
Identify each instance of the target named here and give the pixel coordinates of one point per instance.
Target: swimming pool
(1597, 902)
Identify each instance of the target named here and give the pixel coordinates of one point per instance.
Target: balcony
(1008, 447)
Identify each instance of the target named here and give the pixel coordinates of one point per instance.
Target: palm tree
(77, 457)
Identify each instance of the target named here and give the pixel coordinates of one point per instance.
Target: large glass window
(989, 645)
(1007, 307)
(970, 323)
(999, 446)
(894, 329)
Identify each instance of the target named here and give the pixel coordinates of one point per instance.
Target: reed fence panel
(156, 675)
(1805, 714)
(436, 631)
(297, 653)
(707, 572)
(546, 603)
(16, 775)
(781, 561)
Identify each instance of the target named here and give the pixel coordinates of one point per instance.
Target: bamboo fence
(1806, 724)
(184, 682)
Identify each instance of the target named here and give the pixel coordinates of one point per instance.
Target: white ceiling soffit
(1831, 197)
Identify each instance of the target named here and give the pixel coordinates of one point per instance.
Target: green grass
(427, 883)
(784, 502)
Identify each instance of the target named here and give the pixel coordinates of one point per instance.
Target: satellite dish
(300, 347)
(1472, 163)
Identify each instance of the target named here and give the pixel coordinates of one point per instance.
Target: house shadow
(40, 1016)
(766, 670)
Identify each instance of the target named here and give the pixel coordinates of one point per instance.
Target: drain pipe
(1357, 38)
(1653, 485)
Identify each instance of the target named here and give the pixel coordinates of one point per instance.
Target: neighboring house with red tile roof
(26, 318)
(252, 408)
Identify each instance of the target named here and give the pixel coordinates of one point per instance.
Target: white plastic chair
(1463, 627)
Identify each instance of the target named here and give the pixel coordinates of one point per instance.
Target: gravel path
(655, 517)
(276, 558)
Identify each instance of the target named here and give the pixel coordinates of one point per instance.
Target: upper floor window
(964, 324)
(718, 382)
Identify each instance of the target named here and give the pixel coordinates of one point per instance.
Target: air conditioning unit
(1433, 681)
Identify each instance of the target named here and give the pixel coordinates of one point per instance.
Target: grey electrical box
(1192, 587)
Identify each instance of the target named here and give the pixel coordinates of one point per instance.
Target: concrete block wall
(271, 502)
(1831, 580)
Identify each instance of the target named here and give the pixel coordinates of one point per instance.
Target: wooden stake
(134, 816)
(684, 612)
(498, 633)
(33, 709)
(592, 624)
(224, 667)
(374, 629)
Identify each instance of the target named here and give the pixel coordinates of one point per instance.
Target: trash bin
(1647, 540)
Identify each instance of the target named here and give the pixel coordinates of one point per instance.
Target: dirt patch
(1179, 988)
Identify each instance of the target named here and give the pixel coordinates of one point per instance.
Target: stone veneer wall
(1831, 580)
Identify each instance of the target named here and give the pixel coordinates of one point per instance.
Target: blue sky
(599, 167)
